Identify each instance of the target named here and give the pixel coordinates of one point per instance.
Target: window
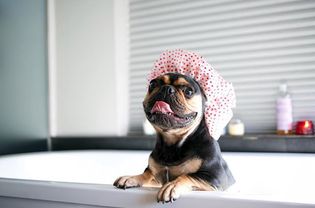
(253, 44)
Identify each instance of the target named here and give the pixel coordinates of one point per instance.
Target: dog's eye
(188, 91)
(153, 84)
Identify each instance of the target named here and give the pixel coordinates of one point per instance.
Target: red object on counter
(304, 128)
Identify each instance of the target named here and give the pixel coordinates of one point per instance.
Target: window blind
(253, 44)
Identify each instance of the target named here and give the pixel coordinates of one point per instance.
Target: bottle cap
(283, 87)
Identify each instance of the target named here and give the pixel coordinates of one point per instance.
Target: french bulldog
(185, 157)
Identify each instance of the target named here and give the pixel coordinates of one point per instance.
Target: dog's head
(174, 103)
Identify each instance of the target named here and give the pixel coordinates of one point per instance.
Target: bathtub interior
(272, 176)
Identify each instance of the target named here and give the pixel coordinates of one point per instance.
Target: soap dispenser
(284, 111)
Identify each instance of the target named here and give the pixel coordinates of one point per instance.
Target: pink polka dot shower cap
(220, 93)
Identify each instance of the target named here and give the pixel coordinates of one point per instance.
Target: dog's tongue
(162, 107)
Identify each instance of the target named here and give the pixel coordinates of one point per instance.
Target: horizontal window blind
(253, 44)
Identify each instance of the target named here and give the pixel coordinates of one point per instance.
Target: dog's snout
(168, 90)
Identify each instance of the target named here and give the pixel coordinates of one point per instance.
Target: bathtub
(83, 179)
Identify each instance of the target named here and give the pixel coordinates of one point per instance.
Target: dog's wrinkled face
(173, 102)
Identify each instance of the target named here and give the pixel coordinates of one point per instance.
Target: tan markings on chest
(167, 173)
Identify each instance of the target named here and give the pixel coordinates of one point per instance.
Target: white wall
(88, 70)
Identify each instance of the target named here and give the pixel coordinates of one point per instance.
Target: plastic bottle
(284, 111)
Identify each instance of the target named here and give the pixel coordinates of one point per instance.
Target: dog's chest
(168, 173)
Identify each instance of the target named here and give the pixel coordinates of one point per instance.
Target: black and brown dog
(185, 156)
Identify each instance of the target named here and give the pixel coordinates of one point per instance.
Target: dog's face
(174, 102)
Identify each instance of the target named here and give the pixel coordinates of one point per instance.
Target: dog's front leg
(185, 183)
(145, 179)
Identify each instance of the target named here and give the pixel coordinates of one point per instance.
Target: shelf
(246, 143)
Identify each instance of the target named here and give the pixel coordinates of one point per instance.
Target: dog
(185, 157)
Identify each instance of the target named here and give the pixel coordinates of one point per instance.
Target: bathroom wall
(88, 67)
(23, 76)
(63, 71)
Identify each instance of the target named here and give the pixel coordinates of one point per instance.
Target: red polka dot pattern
(220, 93)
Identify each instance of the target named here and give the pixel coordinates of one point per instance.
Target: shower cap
(219, 93)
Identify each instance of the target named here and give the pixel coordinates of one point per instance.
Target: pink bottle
(284, 111)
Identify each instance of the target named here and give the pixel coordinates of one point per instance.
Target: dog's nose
(168, 89)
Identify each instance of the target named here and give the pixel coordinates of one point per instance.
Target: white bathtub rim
(109, 196)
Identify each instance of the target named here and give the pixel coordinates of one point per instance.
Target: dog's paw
(127, 182)
(172, 191)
